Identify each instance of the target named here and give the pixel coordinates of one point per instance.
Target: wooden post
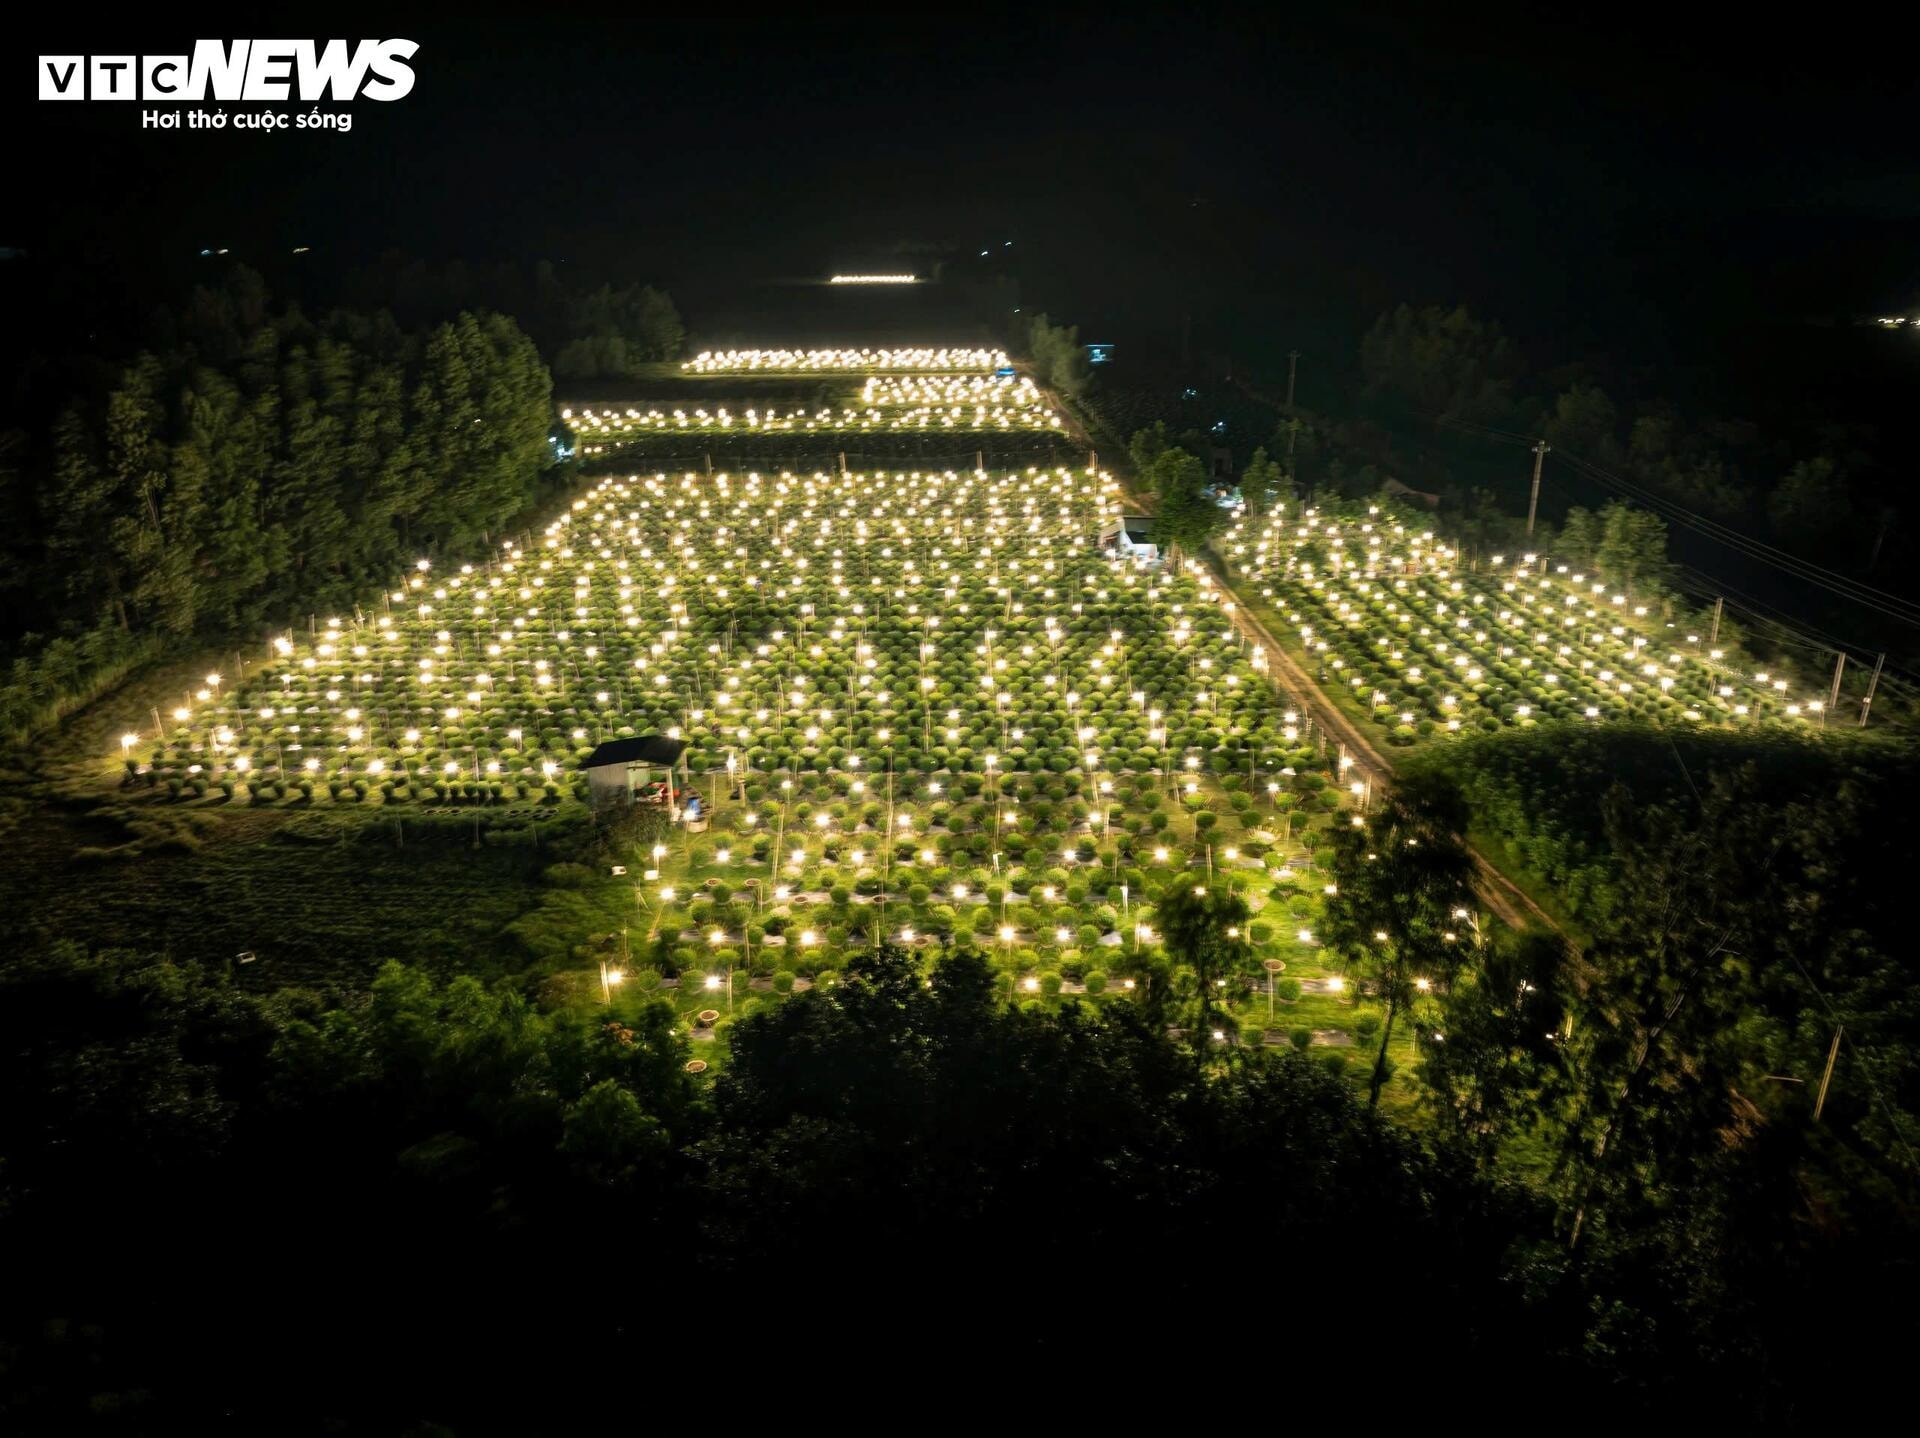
(1827, 1078)
(1872, 684)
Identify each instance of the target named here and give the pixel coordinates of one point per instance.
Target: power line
(1879, 600)
(1854, 591)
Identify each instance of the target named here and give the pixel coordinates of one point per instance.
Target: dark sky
(1279, 174)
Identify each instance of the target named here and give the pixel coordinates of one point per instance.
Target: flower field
(889, 404)
(825, 622)
(777, 361)
(1426, 648)
(918, 703)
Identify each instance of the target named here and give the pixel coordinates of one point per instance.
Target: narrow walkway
(1509, 904)
(1505, 898)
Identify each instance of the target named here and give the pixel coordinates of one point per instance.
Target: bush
(1367, 1025)
(1050, 984)
(783, 982)
(1287, 990)
(1096, 982)
(1302, 1039)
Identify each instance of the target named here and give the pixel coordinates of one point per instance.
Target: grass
(319, 902)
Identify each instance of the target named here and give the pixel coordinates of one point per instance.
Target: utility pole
(1713, 635)
(1540, 449)
(1293, 420)
(1872, 684)
(1839, 668)
(1879, 538)
(1827, 1078)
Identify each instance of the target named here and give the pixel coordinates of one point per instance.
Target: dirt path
(1509, 904)
(1505, 898)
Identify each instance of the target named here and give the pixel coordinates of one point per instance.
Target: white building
(1131, 536)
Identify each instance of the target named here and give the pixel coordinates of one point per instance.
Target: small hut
(1131, 537)
(622, 769)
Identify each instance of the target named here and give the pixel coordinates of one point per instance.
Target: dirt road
(1512, 907)
(1500, 894)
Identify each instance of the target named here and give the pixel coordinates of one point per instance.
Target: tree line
(443, 1179)
(587, 328)
(263, 462)
(1447, 366)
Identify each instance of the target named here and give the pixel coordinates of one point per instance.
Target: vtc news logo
(304, 70)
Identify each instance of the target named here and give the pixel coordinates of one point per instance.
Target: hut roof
(647, 749)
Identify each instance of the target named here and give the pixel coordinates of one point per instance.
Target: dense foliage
(585, 330)
(1727, 1094)
(266, 463)
(870, 1155)
(1057, 354)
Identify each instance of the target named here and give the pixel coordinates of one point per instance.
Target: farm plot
(924, 357)
(1386, 610)
(884, 404)
(921, 704)
(912, 620)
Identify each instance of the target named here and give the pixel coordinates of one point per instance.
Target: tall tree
(1632, 547)
(1403, 880)
(1185, 514)
(1205, 927)
(1502, 1056)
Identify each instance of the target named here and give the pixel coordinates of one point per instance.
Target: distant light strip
(873, 279)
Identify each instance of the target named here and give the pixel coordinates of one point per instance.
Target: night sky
(1642, 191)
